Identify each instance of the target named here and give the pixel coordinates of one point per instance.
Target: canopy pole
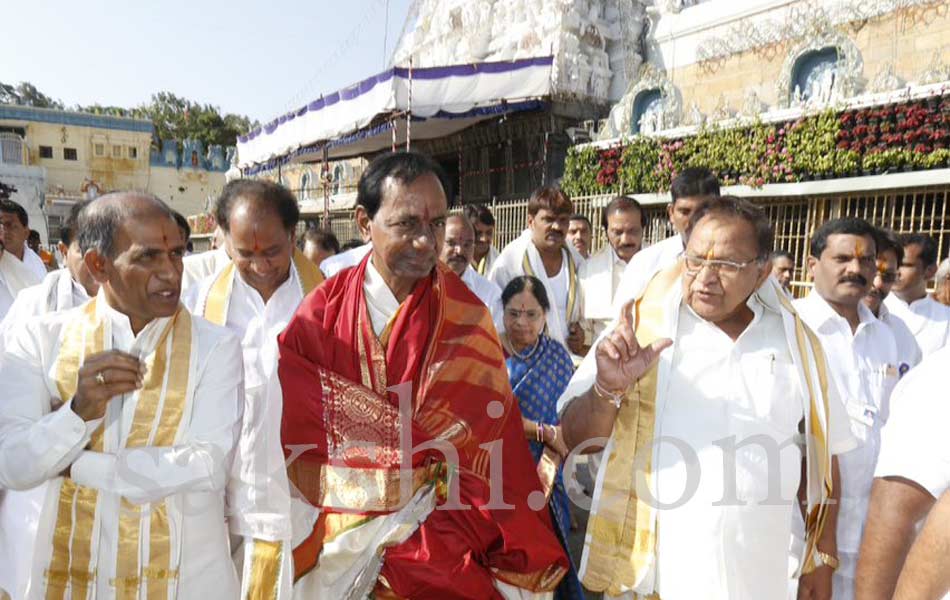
(392, 124)
(409, 109)
(326, 187)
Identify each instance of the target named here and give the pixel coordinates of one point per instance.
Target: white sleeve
(914, 442)
(584, 376)
(201, 462)
(24, 308)
(36, 444)
(258, 490)
(497, 310)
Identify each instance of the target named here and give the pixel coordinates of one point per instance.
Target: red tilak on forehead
(257, 247)
(165, 239)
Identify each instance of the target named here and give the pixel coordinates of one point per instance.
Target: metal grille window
(794, 218)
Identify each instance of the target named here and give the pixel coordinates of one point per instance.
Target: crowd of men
(282, 417)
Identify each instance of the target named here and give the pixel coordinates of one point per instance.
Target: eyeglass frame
(716, 264)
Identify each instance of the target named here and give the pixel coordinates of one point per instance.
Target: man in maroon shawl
(399, 424)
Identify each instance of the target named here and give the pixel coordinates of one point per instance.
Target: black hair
(479, 213)
(522, 283)
(782, 254)
(263, 193)
(9, 206)
(888, 240)
(67, 232)
(182, 223)
(550, 198)
(730, 206)
(33, 235)
(928, 247)
(324, 238)
(580, 217)
(622, 203)
(404, 167)
(842, 226)
(694, 182)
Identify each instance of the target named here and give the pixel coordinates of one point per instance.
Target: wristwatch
(823, 558)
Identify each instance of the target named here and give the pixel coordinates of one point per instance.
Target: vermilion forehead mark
(709, 254)
(882, 266)
(859, 249)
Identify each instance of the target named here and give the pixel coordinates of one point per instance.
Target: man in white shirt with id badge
(862, 357)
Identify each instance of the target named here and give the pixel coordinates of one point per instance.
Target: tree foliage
(174, 117)
(26, 94)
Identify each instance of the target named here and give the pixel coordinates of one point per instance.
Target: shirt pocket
(773, 393)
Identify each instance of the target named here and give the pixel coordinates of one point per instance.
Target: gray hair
(98, 223)
(943, 272)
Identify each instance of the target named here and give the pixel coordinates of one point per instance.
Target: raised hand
(620, 359)
(102, 377)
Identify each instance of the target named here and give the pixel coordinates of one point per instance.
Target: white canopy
(358, 118)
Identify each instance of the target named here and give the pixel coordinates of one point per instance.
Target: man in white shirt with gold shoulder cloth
(129, 408)
(704, 457)
(255, 296)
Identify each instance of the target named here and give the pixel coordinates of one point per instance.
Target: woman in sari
(539, 369)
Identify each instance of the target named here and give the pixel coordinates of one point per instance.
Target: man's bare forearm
(829, 535)
(896, 505)
(588, 416)
(926, 573)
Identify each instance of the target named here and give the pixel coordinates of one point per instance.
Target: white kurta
(600, 278)
(58, 291)
(908, 350)
(727, 537)
(197, 267)
(914, 442)
(33, 262)
(489, 293)
(510, 265)
(20, 510)
(258, 492)
(15, 276)
(488, 261)
(37, 443)
(926, 318)
(352, 257)
(864, 368)
(643, 266)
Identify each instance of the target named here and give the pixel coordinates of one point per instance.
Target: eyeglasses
(695, 264)
(532, 315)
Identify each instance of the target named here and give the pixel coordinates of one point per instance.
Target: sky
(258, 58)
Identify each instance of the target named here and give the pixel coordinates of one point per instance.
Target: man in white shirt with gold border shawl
(703, 453)
(255, 297)
(130, 409)
(541, 251)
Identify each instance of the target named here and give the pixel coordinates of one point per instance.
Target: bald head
(459, 247)
(99, 223)
(460, 220)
